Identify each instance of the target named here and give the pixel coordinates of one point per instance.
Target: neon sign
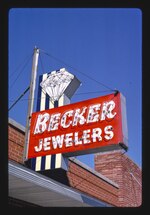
(85, 127)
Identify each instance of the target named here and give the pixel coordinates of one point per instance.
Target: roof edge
(94, 172)
(16, 124)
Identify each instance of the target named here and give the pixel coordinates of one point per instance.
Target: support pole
(31, 100)
(19, 98)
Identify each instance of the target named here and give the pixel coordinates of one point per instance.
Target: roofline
(94, 172)
(73, 159)
(29, 176)
(16, 124)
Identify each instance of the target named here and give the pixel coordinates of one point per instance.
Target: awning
(30, 186)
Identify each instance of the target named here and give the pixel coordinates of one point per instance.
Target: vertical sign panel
(44, 102)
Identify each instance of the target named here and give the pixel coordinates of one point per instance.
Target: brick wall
(115, 166)
(121, 169)
(15, 143)
(77, 176)
(91, 184)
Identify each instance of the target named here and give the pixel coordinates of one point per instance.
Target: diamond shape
(59, 82)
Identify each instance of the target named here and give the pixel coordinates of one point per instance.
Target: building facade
(116, 180)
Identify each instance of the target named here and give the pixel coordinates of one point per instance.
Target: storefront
(79, 186)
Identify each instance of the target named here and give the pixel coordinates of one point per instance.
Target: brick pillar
(119, 168)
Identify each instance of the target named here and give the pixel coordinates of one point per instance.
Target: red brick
(117, 168)
(113, 165)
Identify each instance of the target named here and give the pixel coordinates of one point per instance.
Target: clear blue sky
(104, 44)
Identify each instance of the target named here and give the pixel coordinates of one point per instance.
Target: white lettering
(64, 119)
(107, 110)
(46, 144)
(86, 136)
(54, 122)
(41, 123)
(109, 133)
(38, 149)
(77, 140)
(78, 117)
(93, 115)
(97, 134)
(68, 140)
(58, 141)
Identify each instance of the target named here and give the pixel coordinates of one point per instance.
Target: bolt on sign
(90, 126)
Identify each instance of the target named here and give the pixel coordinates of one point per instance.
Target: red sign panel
(84, 127)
